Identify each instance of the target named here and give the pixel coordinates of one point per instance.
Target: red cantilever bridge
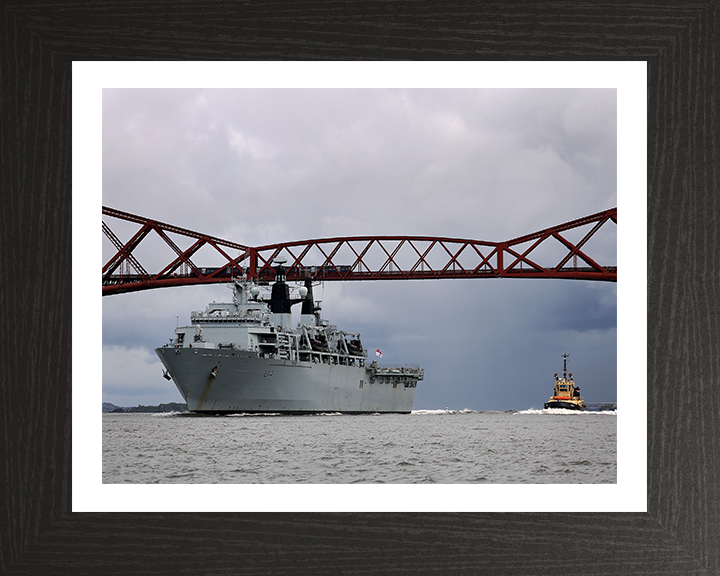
(545, 254)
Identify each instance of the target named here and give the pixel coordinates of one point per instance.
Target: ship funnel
(307, 302)
(280, 268)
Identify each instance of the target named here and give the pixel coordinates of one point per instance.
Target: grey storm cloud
(259, 166)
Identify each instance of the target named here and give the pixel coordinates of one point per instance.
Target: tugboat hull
(566, 405)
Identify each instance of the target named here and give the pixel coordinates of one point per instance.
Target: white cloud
(252, 147)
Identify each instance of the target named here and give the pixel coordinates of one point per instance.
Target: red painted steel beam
(114, 283)
(454, 257)
(599, 272)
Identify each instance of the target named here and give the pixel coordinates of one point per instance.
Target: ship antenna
(565, 357)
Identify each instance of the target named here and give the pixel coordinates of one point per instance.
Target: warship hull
(217, 381)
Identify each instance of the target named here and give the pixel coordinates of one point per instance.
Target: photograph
(413, 217)
(413, 286)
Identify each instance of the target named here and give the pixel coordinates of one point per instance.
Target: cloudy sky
(261, 166)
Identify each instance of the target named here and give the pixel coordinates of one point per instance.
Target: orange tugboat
(567, 395)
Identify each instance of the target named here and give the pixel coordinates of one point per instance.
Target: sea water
(426, 446)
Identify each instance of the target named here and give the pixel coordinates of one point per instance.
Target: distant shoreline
(109, 408)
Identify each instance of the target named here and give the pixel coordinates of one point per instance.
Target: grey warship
(246, 357)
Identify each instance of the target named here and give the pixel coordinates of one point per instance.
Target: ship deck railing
(397, 369)
(228, 318)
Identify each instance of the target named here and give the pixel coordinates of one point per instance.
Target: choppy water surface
(533, 447)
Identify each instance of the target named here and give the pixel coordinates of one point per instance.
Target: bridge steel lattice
(356, 257)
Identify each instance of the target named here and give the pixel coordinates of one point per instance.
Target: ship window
(361, 383)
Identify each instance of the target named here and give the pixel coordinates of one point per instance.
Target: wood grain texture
(680, 533)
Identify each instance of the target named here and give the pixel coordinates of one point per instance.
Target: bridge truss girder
(360, 257)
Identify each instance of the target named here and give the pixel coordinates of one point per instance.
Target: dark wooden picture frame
(680, 532)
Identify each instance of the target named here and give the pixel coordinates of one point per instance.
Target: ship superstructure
(246, 356)
(566, 394)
